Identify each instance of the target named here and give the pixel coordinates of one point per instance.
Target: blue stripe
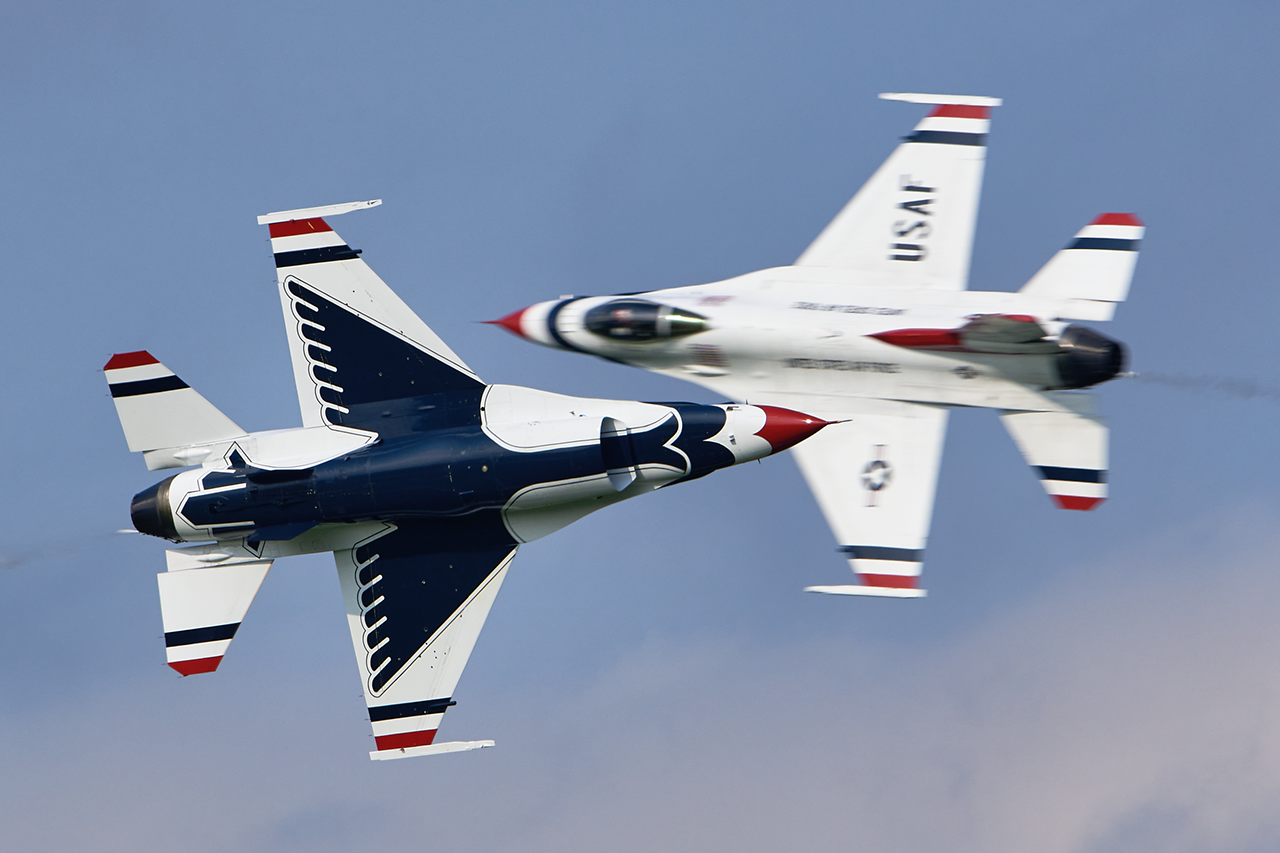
(1071, 475)
(1110, 243)
(147, 386)
(316, 256)
(947, 137)
(200, 635)
(409, 709)
(875, 552)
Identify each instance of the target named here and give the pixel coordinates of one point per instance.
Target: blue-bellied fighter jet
(420, 478)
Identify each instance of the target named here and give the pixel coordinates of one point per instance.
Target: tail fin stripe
(947, 137)
(130, 359)
(200, 635)
(1071, 475)
(316, 256)
(872, 552)
(379, 713)
(1105, 243)
(294, 227)
(147, 386)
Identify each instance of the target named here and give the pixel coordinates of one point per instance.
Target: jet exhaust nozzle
(1088, 357)
(149, 510)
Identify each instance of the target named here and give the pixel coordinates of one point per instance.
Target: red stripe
(891, 581)
(919, 338)
(1117, 219)
(1076, 502)
(192, 667)
(130, 359)
(294, 227)
(406, 740)
(960, 111)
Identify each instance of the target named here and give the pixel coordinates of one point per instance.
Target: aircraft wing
(331, 298)
(874, 477)
(912, 223)
(416, 600)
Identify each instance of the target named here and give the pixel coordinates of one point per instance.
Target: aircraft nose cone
(785, 428)
(149, 511)
(511, 322)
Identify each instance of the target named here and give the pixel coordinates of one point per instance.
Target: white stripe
(886, 567)
(1079, 490)
(950, 124)
(1112, 232)
(136, 374)
(196, 651)
(399, 726)
(299, 242)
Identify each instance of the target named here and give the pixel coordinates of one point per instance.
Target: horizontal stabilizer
(433, 749)
(1067, 451)
(202, 609)
(1092, 273)
(158, 410)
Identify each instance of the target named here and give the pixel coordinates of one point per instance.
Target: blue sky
(653, 675)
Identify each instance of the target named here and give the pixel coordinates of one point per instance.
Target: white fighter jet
(873, 326)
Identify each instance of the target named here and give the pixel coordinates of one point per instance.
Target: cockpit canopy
(640, 320)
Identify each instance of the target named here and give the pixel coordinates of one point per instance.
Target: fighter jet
(873, 326)
(421, 479)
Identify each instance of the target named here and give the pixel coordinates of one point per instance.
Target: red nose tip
(785, 428)
(511, 322)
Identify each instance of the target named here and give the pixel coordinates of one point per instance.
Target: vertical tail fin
(1093, 272)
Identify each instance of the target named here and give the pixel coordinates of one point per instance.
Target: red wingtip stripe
(193, 667)
(1076, 502)
(131, 359)
(294, 227)
(405, 740)
(1117, 219)
(960, 111)
(891, 581)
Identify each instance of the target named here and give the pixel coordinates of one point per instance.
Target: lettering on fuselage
(838, 364)
(848, 309)
(911, 232)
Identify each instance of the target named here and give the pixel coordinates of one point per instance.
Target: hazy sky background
(654, 676)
